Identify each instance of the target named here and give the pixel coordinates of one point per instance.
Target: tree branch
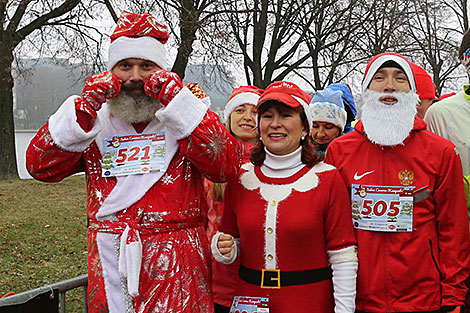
(67, 6)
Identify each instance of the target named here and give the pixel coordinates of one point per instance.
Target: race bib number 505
(382, 208)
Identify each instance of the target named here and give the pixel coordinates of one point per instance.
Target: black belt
(278, 278)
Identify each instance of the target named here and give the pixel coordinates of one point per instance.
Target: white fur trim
(348, 254)
(381, 60)
(66, 132)
(344, 286)
(239, 99)
(328, 112)
(130, 189)
(206, 101)
(273, 194)
(68, 135)
(270, 239)
(218, 256)
(147, 48)
(183, 114)
(111, 278)
(130, 261)
(270, 192)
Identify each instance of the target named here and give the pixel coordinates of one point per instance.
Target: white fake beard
(133, 108)
(388, 125)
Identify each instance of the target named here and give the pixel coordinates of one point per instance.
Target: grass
(42, 235)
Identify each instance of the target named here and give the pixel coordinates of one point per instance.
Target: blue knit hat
(327, 106)
(349, 104)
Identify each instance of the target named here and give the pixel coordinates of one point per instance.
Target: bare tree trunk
(189, 24)
(8, 166)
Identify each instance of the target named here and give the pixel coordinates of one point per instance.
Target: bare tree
(331, 42)
(269, 37)
(434, 38)
(44, 20)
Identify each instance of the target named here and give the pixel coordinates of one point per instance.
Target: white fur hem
(348, 254)
(111, 278)
(270, 192)
(66, 132)
(218, 256)
(183, 114)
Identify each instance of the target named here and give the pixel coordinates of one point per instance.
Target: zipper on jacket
(435, 262)
(387, 300)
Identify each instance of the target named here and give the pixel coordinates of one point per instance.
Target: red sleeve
(211, 148)
(338, 220)
(47, 162)
(229, 223)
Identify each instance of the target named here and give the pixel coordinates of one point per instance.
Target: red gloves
(163, 85)
(99, 88)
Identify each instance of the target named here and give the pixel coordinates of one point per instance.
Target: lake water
(22, 140)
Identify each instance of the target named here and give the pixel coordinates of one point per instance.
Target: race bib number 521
(133, 154)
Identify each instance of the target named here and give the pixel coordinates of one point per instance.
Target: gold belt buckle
(275, 277)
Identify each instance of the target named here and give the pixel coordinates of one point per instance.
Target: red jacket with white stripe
(421, 270)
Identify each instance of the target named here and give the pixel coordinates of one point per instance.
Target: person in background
(447, 95)
(407, 199)
(450, 118)
(349, 104)
(240, 118)
(147, 247)
(328, 118)
(286, 216)
(424, 88)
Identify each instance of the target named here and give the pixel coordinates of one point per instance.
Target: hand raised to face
(163, 85)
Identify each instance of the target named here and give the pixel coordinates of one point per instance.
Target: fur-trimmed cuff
(216, 253)
(348, 254)
(183, 114)
(65, 130)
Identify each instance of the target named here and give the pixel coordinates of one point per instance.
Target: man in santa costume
(407, 199)
(145, 143)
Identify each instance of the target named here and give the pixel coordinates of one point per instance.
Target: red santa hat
(388, 59)
(289, 94)
(424, 85)
(242, 95)
(138, 36)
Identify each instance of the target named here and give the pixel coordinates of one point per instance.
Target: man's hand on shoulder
(163, 85)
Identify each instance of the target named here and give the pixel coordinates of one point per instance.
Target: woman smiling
(287, 216)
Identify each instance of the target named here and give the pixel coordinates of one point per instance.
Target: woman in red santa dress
(287, 216)
(239, 116)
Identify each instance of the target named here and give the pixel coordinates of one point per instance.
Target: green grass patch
(42, 234)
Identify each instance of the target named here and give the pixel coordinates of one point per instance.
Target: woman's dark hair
(309, 157)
